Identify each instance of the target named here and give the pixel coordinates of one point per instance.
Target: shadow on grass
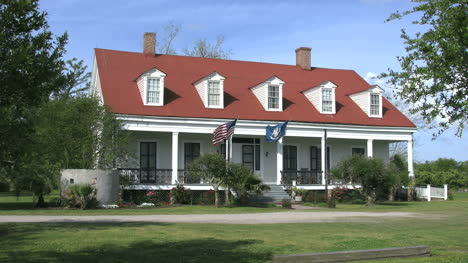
(17, 240)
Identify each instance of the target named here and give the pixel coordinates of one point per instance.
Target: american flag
(223, 132)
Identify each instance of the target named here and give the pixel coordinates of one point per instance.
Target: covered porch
(161, 157)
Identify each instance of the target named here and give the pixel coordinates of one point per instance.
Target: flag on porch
(274, 133)
(223, 132)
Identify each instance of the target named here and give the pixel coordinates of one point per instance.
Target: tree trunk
(226, 201)
(216, 196)
(410, 194)
(371, 199)
(40, 201)
(391, 196)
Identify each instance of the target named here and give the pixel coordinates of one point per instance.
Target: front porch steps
(275, 195)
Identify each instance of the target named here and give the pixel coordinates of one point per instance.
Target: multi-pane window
(374, 104)
(214, 93)
(153, 91)
(273, 97)
(327, 100)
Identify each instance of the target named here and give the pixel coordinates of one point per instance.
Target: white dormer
(270, 94)
(323, 97)
(211, 90)
(151, 86)
(370, 101)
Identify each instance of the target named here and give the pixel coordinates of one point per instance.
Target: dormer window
(151, 86)
(273, 97)
(214, 94)
(327, 100)
(211, 90)
(375, 104)
(270, 94)
(370, 101)
(153, 91)
(323, 97)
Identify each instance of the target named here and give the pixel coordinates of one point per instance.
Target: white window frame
(333, 100)
(379, 115)
(208, 94)
(268, 97)
(147, 79)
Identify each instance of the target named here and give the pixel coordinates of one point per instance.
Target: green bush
(181, 195)
(372, 174)
(286, 203)
(81, 196)
(315, 196)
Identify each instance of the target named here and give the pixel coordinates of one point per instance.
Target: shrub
(371, 173)
(286, 203)
(347, 195)
(135, 196)
(181, 195)
(153, 197)
(315, 196)
(81, 196)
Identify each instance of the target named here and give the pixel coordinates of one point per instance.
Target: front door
(148, 162)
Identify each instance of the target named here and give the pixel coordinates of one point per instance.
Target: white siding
(261, 94)
(201, 89)
(313, 95)
(362, 100)
(141, 88)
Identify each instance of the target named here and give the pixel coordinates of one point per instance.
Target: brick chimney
(303, 57)
(149, 43)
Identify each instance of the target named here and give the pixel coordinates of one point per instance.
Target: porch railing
(183, 177)
(301, 177)
(147, 176)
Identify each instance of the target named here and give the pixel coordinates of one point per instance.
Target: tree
(443, 171)
(171, 31)
(31, 68)
(398, 174)
(77, 80)
(242, 181)
(79, 133)
(434, 73)
(370, 173)
(202, 47)
(212, 168)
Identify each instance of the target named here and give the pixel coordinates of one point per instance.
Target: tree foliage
(212, 168)
(371, 173)
(443, 171)
(434, 72)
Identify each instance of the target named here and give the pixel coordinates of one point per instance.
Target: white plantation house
(172, 105)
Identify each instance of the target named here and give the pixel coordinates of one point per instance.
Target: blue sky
(348, 34)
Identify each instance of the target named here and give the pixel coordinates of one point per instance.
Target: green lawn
(152, 242)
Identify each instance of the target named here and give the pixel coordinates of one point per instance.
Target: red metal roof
(118, 71)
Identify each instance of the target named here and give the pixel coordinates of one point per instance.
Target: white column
(428, 192)
(322, 155)
(410, 159)
(370, 148)
(445, 191)
(279, 160)
(175, 156)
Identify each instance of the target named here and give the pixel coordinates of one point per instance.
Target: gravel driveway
(253, 218)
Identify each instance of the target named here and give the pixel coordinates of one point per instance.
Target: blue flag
(274, 133)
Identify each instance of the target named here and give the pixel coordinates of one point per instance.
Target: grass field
(151, 242)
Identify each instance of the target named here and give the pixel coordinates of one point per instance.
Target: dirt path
(253, 218)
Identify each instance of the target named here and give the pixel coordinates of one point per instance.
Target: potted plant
(298, 193)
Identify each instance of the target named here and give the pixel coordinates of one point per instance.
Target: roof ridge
(220, 59)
